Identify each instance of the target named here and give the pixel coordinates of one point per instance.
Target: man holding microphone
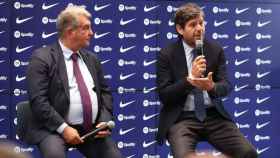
(191, 80)
(68, 94)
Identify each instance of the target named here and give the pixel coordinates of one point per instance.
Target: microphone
(199, 50)
(109, 125)
(199, 47)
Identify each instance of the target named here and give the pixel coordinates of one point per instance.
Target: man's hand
(203, 83)
(198, 67)
(71, 136)
(102, 133)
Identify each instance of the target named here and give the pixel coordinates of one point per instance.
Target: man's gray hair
(187, 12)
(69, 18)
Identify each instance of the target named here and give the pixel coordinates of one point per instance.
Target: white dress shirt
(189, 103)
(75, 113)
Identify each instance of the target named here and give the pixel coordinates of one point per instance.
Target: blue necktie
(200, 108)
(85, 97)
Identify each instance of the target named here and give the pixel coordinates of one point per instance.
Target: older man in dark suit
(191, 86)
(68, 94)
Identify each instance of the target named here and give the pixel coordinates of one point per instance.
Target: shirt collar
(66, 51)
(187, 48)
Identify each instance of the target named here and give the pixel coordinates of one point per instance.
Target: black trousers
(223, 134)
(54, 146)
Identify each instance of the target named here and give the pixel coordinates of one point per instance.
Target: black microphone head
(111, 124)
(198, 44)
(199, 47)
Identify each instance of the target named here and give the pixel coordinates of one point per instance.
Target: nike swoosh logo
(147, 144)
(240, 11)
(259, 126)
(148, 117)
(1, 3)
(238, 37)
(148, 90)
(130, 156)
(259, 151)
(105, 61)
(99, 8)
(2, 119)
(237, 63)
(2, 90)
(217, 24)
(124, 77)
(260, 50)
(123, 132)
(261, 75)
(148, 63)
(225, 47)
(2, 61)
(97, 36)
(20, 50)
(259, 101)
(19, 79)
(20, 21)
(125, 104)
(123, 50)
(262, 24)
(148, 9)
(47, 35)
(148, 36)
(125, 22)
(1, 32)
(47, 7)
(238, 114)
(171, 23)
(237, 89)
(225, 99)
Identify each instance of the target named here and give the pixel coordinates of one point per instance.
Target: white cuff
(61, 128)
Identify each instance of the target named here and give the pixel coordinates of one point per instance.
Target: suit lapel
(207, 57)
(180, 59)
(62, 72)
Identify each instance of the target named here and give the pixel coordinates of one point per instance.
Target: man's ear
(179, 29)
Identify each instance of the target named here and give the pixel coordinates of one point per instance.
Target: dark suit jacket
(173, 88)
(49, 92)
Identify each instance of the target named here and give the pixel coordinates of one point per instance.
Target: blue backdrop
(128, 36)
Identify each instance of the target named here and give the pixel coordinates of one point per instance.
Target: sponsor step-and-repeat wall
(128, 34)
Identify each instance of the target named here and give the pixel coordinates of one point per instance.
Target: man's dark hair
(187, 12)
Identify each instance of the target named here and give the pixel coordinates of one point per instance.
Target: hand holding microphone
(102, 130)
(199, 63)
(71, 136)
(198, 78)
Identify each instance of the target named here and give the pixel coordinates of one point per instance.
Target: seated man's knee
(53, 146)
(54, 153)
